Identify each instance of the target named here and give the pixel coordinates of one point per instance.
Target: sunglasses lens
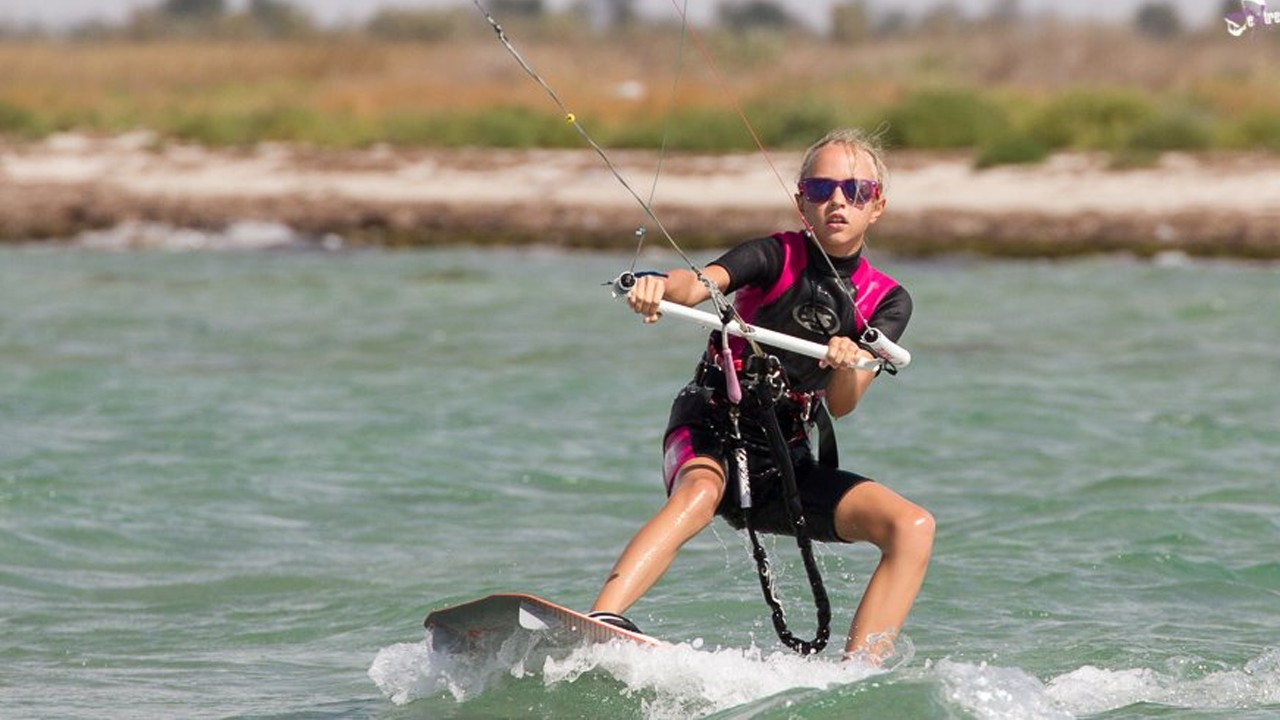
(858, 191)
(818, 190)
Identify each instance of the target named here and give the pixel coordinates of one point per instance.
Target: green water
(233, 483)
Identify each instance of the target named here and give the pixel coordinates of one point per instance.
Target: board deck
(483, 626)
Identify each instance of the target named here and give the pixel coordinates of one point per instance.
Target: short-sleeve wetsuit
(782, 283)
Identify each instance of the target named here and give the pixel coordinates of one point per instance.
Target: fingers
(646, 295)
(843, 352)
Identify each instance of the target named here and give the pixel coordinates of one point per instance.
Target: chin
(847, 245)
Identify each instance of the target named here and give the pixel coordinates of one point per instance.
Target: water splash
(685, 681)
(1089, 690)
(990, 692)
(405, 672)
(669, 682)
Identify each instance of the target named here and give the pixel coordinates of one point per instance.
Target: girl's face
(840, 222)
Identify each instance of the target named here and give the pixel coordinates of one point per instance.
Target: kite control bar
(888, 352)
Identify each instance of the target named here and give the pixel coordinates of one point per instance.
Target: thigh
(700, 474)
(695, 494)
(821, 490)
(869, 512)
(687, 448)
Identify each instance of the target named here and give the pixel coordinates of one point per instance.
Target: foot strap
(615, 620)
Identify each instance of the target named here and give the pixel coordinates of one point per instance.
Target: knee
(911, 535)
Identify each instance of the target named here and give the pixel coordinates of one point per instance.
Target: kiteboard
(484, 626)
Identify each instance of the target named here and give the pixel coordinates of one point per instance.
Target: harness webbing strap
(828, 450)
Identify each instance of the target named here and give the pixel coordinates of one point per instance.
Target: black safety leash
(765, 394)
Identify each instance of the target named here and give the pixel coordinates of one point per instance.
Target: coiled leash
(765, 382)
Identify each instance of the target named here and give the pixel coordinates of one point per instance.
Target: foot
(615, 620)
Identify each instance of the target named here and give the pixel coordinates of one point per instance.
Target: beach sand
(1224, 205)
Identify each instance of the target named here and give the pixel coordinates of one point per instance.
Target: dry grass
(355, 86)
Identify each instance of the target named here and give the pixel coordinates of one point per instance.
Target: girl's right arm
(679, 286)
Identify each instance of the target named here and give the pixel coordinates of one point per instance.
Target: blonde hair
(856, 139)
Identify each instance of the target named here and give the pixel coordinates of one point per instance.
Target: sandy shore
(1218, 205)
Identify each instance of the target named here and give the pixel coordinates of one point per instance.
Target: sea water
(232, 483)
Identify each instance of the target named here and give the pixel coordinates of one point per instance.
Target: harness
(810, 406)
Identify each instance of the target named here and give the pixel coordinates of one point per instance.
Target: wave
(1255, 686)
(677, 682)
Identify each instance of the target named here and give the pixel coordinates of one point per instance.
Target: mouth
(836, 220)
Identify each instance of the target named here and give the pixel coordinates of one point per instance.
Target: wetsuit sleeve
(893, 313)
(755, 262)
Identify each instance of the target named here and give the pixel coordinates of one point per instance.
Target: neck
(843, 250)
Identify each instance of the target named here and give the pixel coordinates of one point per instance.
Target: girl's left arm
(846, 386)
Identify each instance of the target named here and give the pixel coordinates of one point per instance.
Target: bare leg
(903, 531)
(690, 508)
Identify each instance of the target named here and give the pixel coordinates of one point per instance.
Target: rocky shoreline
(1212, 206)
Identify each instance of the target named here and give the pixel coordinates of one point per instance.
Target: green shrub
(504, 127)
(793, 124)
(1256, 130)
(283, 123)
(521, 127)
(209, 129)
(1011, 149)
(940, 119)
(1095, 119)
(288, 123)
(410, 129)
(637, 134)
(706, 130)
(1171, 131)
(19, 121)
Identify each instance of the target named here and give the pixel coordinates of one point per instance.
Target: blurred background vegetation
(1007, 87)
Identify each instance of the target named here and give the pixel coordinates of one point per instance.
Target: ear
(800, 202)
(877, 209)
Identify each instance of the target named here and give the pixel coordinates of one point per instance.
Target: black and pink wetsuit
(782, 283)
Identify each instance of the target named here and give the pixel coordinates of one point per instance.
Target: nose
(842, 198)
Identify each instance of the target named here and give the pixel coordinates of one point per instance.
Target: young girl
(783, 282)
